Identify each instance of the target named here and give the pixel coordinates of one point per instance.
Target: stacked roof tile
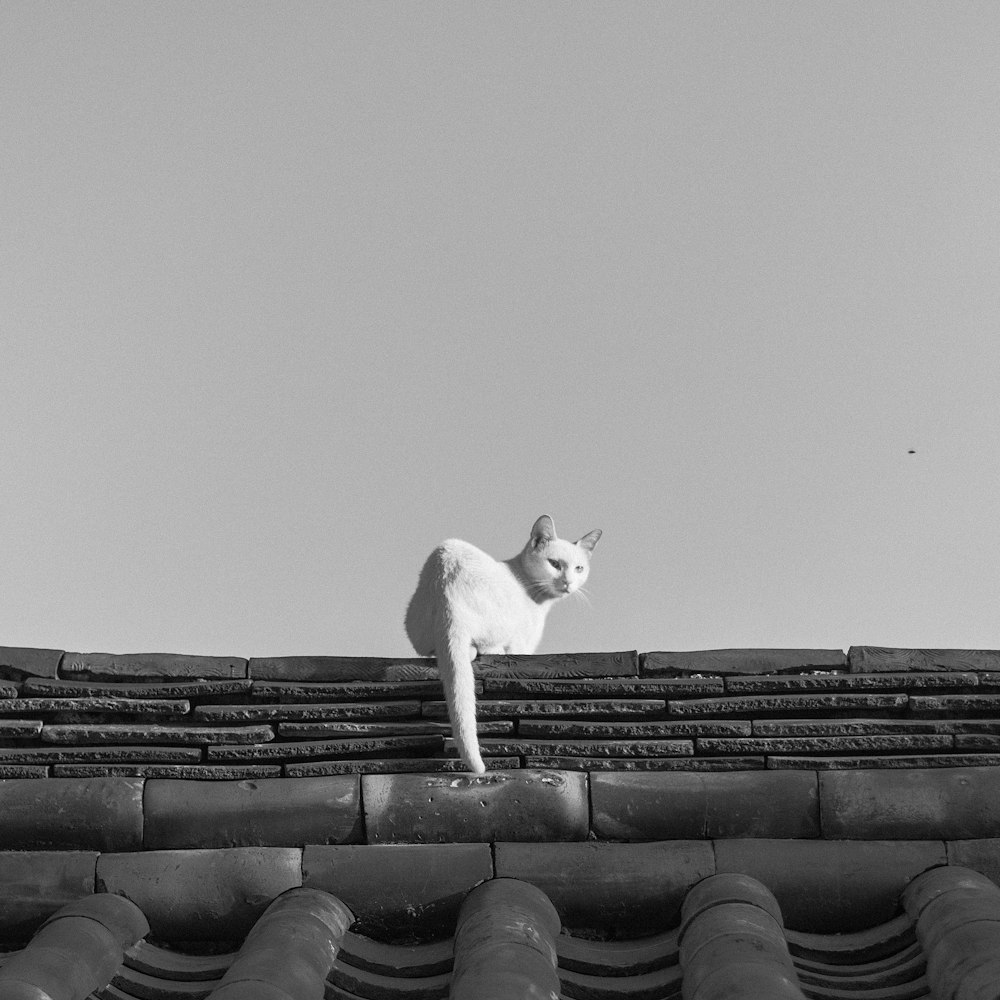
(83, 715)
(713, 824)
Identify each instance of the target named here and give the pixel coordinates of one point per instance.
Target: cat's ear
(542, 532)
(589, 540)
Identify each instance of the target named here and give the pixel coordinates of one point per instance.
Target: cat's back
(452, 565)
(453, 557)
(454, 562)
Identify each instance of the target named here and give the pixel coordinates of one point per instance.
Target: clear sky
(292, 291)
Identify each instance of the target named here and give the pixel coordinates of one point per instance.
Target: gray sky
(292, 291)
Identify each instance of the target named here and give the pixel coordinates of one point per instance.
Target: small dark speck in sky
(911, 452)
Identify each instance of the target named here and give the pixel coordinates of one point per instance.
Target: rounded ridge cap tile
(931, 884)
(116, 913)
(505, 943)
(728, 887)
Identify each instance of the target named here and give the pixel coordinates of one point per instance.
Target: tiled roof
(723, 823)
(86, 715)
(731, 942)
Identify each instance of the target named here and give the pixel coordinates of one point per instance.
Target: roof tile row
(413, 891)
(18, 662)
(232, 729)
(132, 814)
(731, 943)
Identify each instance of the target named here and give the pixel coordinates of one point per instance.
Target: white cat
(467, 602)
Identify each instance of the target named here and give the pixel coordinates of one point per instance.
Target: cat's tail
(455, 667)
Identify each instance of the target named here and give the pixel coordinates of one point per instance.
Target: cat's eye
(579, 569)
(555, 563)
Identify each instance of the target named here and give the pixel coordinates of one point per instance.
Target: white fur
(467, 602)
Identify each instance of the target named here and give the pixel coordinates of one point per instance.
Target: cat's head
(557, 567)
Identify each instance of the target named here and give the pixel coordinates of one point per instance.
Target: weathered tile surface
(213, 895)
(506, 805)
(119, 734)
(597, 707)
(789, 703)
(956, 704)
(618, 888)
(143, 666)
(868, 659)
(401, 765)
(24, 770)
(171, 689)
(96, 706)
(493, 954)
(742, 661)
(981, 854)
(17, 662)
(328, 669)
(345, 730)
(411, 889)
(332, 711)
(269, 812)
(558, 665)
(881, 762)
(957, 916)
(925, 804)
(516, 688)
(91, 814)
(732, 941)
(98, 754)
(642, 763)
(789, 683)
(979, 742)
(190, 772)
(577, 729)
(849, 727)
(858, 883)
(298, 692)
(680, 805)
(826, 744)
(317, 749)
(19, 729)
(33, 884)
(582, 748)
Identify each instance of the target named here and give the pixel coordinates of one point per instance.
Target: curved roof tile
(508, 944)
(254, 807)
